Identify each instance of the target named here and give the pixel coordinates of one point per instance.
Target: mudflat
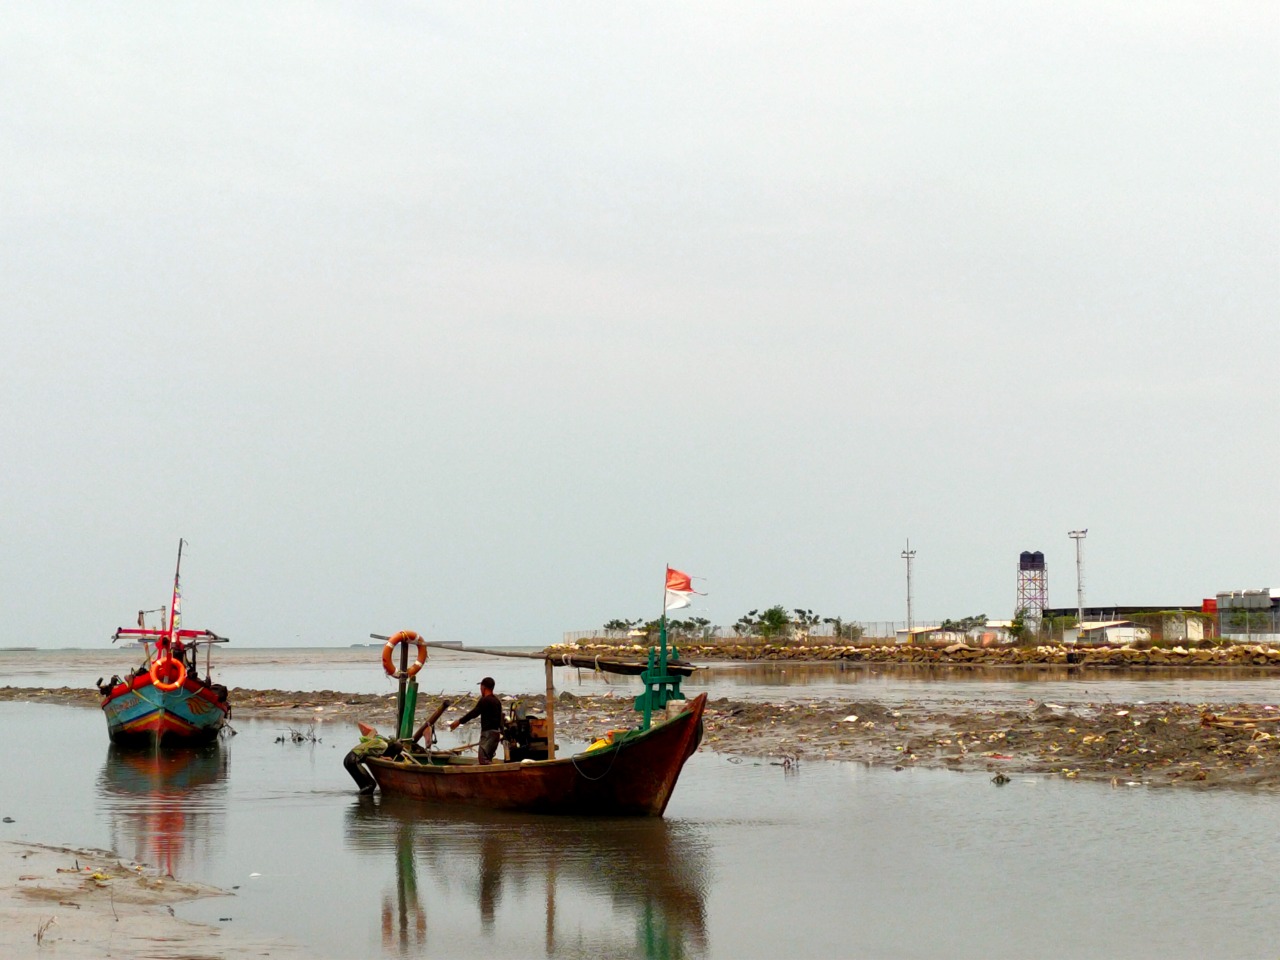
(1212, 745)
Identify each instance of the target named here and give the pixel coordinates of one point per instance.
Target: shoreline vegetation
(1234, 744)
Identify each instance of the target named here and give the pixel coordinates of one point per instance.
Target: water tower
(1033, 588)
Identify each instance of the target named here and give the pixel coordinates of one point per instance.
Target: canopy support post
(551, 713)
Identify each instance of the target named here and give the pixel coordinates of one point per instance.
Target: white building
(1118, 633)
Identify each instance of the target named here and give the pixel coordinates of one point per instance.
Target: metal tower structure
(909, 555)
(1077, 536)
(1033, 588)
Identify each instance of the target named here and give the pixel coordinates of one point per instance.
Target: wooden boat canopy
(195, 637)
(631, 668)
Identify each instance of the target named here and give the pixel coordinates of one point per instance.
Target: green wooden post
(659, 685)
(410, 708)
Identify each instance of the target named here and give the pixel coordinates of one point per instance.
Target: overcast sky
(470, 318)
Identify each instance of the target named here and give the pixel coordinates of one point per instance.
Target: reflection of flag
(679, 589)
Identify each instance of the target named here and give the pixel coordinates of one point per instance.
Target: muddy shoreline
(1141, 743)
(76, 902)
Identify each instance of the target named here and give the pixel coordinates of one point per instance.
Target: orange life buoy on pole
(404, 636)
(161, 666)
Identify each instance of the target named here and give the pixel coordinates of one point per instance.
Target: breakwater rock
(1233, 655)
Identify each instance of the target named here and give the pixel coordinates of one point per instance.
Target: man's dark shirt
(489, 710)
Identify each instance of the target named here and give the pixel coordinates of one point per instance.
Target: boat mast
(175, 613)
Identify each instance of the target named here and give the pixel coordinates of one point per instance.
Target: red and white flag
(680, 589)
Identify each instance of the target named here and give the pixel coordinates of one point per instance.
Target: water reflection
(165, 809)
(631, 887)
(989, 681)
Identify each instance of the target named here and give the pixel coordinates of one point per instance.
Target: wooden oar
(467, 746)
(429, 723)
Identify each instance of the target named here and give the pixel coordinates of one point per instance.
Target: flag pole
(662, 633)
(173, 610)
(662, 655)
(665, 577)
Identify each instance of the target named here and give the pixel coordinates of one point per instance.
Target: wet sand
(1156, 744)
(66, 902)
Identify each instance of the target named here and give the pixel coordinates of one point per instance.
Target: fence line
(868, 630)
(888, 631)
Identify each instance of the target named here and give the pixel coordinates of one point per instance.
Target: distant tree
(700, 627)
(1018, 627)
(964, 624)
(774, 621)
(805, 618)
(622, 624)
(842, 630)
(1251, 621)
(748, 624)
(1054, 627)
(692, 627)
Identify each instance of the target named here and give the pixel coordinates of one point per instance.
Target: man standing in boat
(489, 709)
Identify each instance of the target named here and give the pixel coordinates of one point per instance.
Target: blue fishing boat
(165, 702)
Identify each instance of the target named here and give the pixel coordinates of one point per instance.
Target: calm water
(833, 860)
(359, 671)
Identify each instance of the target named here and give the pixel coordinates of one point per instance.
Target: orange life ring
(167, 685)
(404, 636)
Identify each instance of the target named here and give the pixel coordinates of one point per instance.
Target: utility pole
(1077, 536)
(908, 555)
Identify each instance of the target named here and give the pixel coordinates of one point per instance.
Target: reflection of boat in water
(625, 773)
(164, 702)
(624, 880)
(159, 803)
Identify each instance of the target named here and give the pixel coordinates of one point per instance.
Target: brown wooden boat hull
(633, 778)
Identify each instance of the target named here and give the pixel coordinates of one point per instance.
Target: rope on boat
(612, 760)
(144, 699)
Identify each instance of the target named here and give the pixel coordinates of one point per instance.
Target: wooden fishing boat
(164, 702)
(625, 773)
(634, 775)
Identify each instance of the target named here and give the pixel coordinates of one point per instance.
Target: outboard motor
(525, 735)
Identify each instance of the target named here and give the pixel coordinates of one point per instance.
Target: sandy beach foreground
(70, 902)
(1154, 744)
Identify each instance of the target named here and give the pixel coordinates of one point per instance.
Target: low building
(992, 632)
(1119, 633)
(1164, 624)
(918, 634)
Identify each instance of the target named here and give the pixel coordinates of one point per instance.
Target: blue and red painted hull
(141, 715)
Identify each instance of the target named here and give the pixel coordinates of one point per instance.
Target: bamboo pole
(551, 714)
(681, 667)
(456, 649)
